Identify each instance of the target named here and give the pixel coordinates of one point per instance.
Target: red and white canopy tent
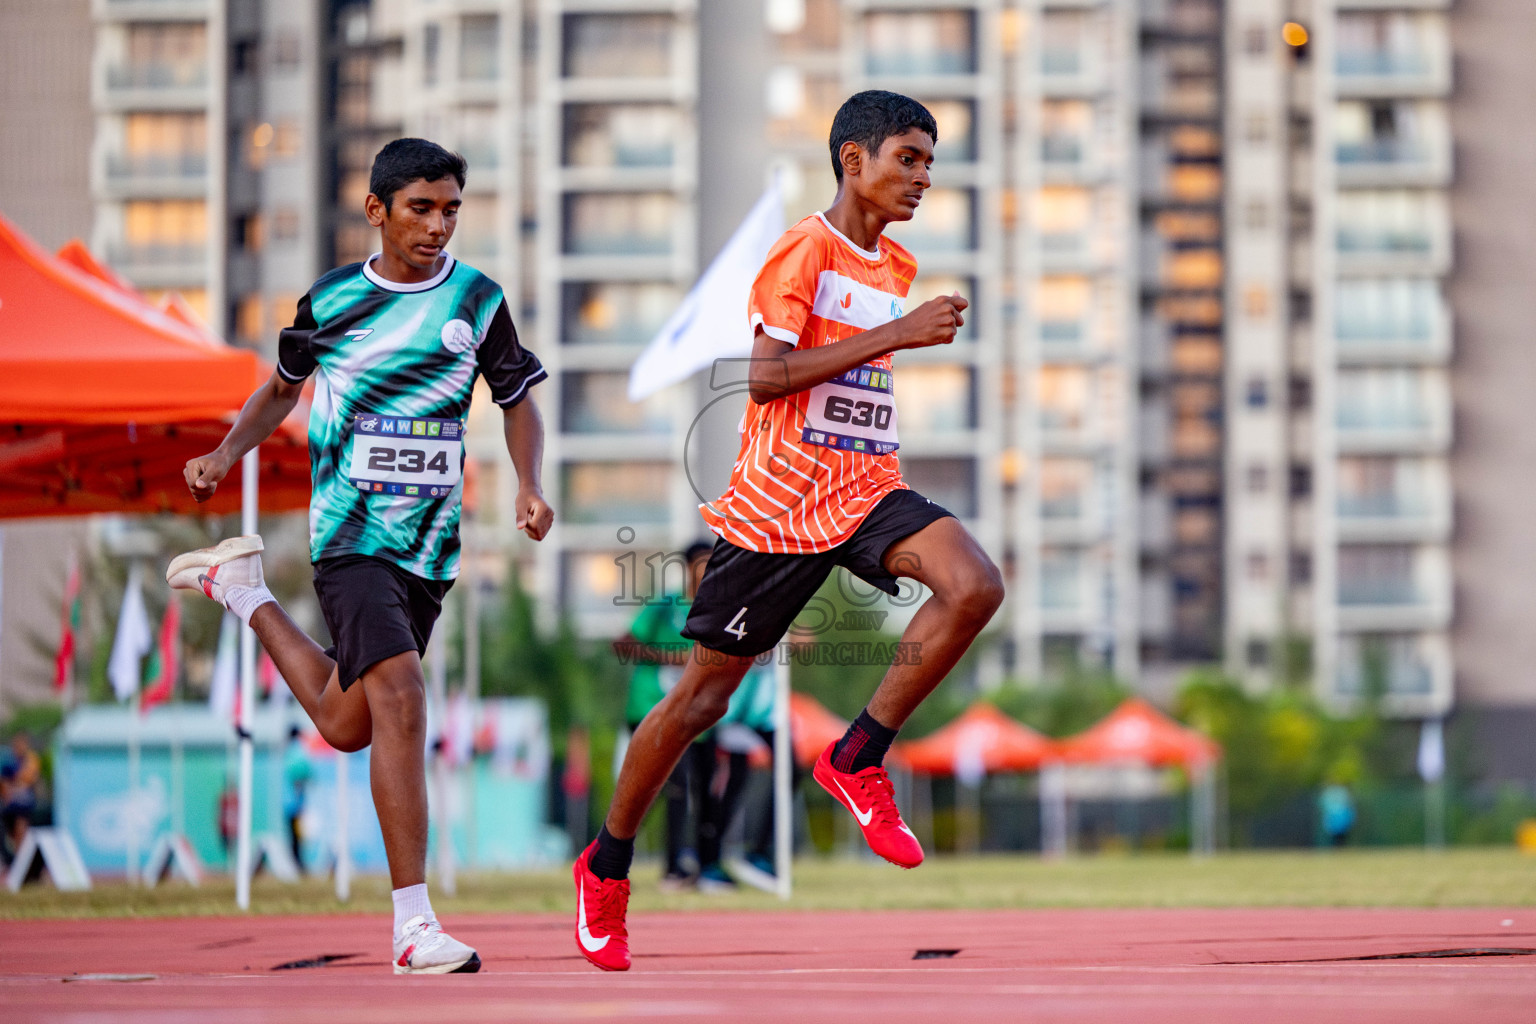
(103, 399)
(1135, 733)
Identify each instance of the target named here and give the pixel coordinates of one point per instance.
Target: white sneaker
(232, 562)
(422, 947)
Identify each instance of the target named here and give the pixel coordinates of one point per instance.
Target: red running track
(1141, 966)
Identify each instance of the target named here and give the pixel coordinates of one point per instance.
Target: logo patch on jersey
(368, 423)
(458, 336)
(896, 309)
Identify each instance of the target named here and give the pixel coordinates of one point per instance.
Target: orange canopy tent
(103, 397)
(1137, 731)
(988, 738)
(812, 727)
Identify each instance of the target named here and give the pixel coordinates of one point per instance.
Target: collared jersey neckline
(873, 257)
(420, 286)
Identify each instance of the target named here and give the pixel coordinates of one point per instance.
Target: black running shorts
(748, 599)
(374, 610)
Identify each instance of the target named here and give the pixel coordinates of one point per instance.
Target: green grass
(1358, 878)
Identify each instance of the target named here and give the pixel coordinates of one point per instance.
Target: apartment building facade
(1200, 412)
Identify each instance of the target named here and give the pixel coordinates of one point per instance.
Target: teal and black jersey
(397, 364)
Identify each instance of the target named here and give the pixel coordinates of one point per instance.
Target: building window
(619, 223)
(598, 403)
(1258, 479)
(431, 53)
(1061, 579)
(591, 582)
(162, 55)
(956, 120)
(617, 46)
(1258, 567)
(620, 134)
(615, 312)
(1387, 310)
(1258, 653)
(165, 230)
(1377, 574)
(480, 48)
(162, 145)
(1379, 664)
(1064, 488)
(936, 399)
(920, 43)
(629, 493)
(1062, 398)
(947, 482)
(946, 224)
(1258, 393)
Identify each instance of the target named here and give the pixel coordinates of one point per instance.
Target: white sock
(244, 601)
(411, 902)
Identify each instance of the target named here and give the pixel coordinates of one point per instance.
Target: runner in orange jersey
(816, 486)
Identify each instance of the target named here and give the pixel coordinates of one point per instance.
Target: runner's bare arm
(779, 369)
(259, 417)
(524, 429)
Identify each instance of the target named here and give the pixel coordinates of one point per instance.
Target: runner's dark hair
(871, 117)
(696, 549)
(405, 160)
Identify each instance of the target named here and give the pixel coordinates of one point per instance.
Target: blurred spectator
(18, 791)
(1337, 808)
(297, 773)
(654, 645)
(229, 819)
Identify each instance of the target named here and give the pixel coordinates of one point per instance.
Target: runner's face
(420, 221)
(895, 178)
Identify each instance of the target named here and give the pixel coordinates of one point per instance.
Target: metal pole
(343, 836)
(437, 653)
(783, 778)
(132, 817)
(246, 702)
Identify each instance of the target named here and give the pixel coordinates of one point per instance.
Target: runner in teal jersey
(394, 344)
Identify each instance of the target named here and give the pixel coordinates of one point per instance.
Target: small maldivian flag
(165, 660)
(64, 662)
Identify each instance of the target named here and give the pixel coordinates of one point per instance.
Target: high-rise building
(1201, 411)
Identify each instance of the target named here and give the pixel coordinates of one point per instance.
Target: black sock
(612, 857)
(863, 745)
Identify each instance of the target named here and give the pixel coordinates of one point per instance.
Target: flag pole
(783, 779)
(246, 700)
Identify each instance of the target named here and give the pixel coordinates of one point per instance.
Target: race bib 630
(410, 457)
(854, 411)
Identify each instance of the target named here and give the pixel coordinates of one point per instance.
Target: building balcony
(1403, 143)
(1385, 500)
(1069, 72)
(1417, 335)
(1393, 5)
(1410, 673)
(1385, 73)
(157, 265)
(154, 86)
(1392, 410)
(149, 10)
(153, 176)
(1393, 587)
(1415, 243)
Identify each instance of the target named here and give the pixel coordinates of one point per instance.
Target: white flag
(134, 638)
(711, 322)
(226, 669)
(1432, 750)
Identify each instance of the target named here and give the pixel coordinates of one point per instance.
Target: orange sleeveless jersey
(796, 488)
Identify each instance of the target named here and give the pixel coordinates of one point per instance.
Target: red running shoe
(600, 907)
(869, 798)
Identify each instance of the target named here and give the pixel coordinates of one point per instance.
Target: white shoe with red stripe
(422, 947)
(232, 562)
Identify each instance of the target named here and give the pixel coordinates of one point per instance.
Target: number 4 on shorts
(737, 627)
